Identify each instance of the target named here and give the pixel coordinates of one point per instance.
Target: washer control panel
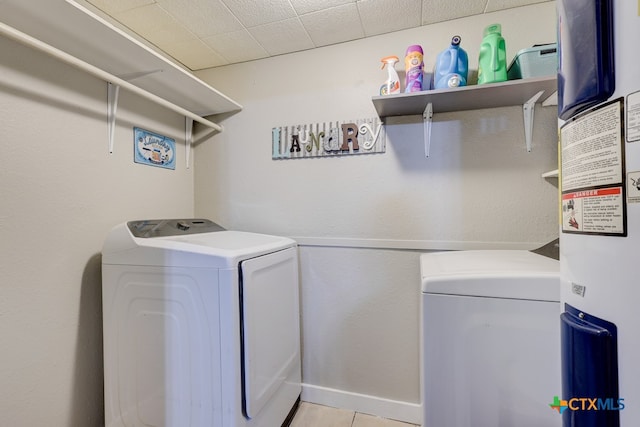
(172, 227)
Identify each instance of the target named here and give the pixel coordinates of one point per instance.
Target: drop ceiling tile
(229, 31)
(237, 46)
(194, 54)
(116, 6)
(203, 17)
(308, 6)
(335, 25)
(495, 5)
(252, 13)
(385, 16)
(282, 37)
(155, 24)
(445, 10)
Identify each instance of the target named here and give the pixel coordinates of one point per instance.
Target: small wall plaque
(154, 149)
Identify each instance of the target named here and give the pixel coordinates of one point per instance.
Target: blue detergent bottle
(452, 66)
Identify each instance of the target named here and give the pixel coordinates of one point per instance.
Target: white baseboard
(386, 408)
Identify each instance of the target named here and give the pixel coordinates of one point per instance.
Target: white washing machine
(201, 326)
(491, 339)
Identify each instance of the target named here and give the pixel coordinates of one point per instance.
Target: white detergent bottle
(392, 84)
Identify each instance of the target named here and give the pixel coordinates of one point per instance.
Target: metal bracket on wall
(113, 91)
(427, 115)
(112, 106)
(188, 138)
(528, 110)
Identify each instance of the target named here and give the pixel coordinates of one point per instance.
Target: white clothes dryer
(490, 339)
(201, 326)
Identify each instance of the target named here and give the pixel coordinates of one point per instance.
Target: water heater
(599, 128)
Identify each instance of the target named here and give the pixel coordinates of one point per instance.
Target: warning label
(633, 187)
(592, 149)
(594, 211)
(593, 184)
(633, 117)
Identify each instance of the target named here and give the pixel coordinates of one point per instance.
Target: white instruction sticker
(633, 117)
(633, 187)
(592, 149)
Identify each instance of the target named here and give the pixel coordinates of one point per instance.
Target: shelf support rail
(427, 117)
(34, 43)
(528, 109)
(188, 139)
(112, 106)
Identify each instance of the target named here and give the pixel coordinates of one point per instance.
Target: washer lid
(172, 227)
(492, 273)
(217, 249)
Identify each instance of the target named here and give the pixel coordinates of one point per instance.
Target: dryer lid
(515, 274)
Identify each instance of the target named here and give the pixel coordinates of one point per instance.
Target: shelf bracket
(551, 100)
(188, 138)
(112, 106)
(427, 115)
(528, 110)
(132, 76)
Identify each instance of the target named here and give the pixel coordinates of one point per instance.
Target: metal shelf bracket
(112, 106)
(427, 116)
(188, 138)
(528, 110)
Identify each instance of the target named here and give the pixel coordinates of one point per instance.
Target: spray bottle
(392, 84)
(452, 66)
(413, 66)
(492, 64)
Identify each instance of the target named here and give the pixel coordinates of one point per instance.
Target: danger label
(599, 211)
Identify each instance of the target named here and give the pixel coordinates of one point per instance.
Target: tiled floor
(312, 415)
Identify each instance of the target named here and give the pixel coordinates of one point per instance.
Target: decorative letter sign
(364, 136)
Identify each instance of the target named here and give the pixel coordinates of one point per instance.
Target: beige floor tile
(311, 415)
(363, 420)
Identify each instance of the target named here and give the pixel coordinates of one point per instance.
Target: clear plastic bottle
(392, 84)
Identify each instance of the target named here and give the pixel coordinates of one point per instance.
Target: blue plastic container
(452, 66)
(589, 358)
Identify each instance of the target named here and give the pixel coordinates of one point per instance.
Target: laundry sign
(364, 136)
(153, 149)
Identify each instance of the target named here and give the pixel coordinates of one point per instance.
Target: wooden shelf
(509, 93)
(76, 30)
(524, 92)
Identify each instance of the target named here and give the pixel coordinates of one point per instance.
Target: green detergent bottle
(492, 65)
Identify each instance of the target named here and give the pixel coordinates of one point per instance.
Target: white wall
(60, 193)
(479, 188)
